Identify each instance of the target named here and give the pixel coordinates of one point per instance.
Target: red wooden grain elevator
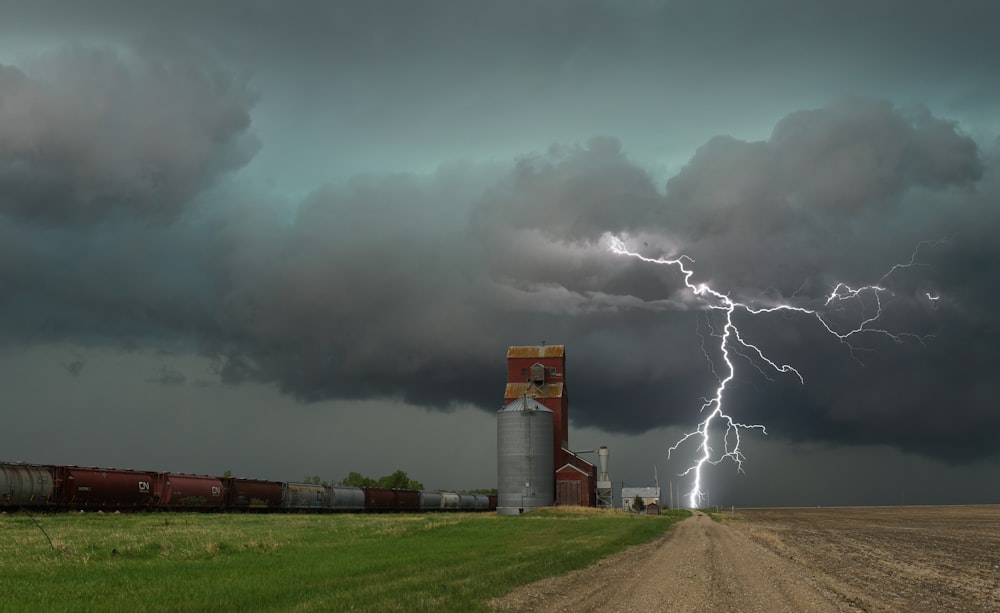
(539, 372)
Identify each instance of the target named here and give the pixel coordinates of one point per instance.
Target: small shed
(648, 495)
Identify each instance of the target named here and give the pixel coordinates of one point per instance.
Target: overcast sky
(290, 239)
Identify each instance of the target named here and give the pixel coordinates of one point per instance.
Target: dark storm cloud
(572, 193)
(86, 133)
(411, 286)
(168, 376)
(771, 214)
(369, 293)
(75, 367)
(390, 80)
(372, 285)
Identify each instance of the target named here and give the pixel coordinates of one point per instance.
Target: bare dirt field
(837, 559)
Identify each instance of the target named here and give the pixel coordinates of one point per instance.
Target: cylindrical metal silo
(525, 474)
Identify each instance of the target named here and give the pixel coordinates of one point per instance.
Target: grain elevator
(536, 392)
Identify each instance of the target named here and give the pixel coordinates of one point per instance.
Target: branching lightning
(732, 342)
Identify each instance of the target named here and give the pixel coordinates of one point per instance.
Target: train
(79, 488)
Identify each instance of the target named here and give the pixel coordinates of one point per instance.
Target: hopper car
(51, 487)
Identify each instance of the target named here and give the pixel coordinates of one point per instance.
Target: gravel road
(905, 559)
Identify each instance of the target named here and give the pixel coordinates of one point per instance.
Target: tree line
(397, 480)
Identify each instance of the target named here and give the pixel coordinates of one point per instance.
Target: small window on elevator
(537, 374)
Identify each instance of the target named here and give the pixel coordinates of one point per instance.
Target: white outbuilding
(648, 495)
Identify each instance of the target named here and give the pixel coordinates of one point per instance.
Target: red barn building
(539, 372)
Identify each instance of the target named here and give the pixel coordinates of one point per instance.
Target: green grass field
(234, 562)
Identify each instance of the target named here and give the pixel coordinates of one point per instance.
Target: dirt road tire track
(905, 559)
(699, 565)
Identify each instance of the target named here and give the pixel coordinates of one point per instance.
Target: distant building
(648, 495)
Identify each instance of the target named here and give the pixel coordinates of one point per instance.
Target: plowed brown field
(838, 559)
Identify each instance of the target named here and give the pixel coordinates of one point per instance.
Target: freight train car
(183, 492)
(450, 501)
(305, 497)
(253, 494)
(385, 500)
(25, 485)
(39, 486)
(321, 498)
(431, 501)
(105, 489)
(347, 498)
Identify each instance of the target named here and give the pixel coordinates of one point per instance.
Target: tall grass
(192, 562)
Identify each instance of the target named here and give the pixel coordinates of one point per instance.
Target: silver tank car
(482, 502)
(347, 498)
(25, 485)
(467, 502)
(431, 501)
(449, 501)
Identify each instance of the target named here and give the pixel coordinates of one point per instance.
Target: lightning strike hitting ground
(731, 340)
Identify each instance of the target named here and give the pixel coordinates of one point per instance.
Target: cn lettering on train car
(111, 489)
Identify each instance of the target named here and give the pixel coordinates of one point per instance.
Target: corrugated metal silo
(525, 474)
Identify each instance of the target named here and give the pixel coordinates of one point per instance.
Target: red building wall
(552, 394)
(576, 486)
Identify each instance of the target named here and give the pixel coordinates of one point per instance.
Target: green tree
(397, 480)
(356, 479)
(638, 505)
(400, 480)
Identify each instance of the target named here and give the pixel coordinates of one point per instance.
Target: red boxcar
(189, 492)
(253, 495)
(379, 499)
(407, 500)
(103, 488)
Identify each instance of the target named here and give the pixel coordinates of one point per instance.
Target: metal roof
(641, 492)
(549, 390)
(526, 404)
(576, 468)
(536, 351)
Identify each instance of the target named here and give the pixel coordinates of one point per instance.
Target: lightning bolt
(731, 341)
